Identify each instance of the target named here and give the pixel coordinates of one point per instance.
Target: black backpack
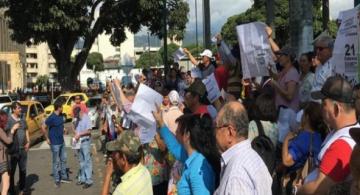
(264, 147)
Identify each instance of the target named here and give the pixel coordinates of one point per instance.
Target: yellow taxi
(33, 113)
(68, 100)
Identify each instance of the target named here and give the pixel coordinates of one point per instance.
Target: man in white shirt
(324, 48)
(242, 169)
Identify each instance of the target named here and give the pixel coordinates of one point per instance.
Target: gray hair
(329, 41)
(237, 117)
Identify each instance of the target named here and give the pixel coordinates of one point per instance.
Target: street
(39, 179)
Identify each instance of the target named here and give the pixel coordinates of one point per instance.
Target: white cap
(207, 53)
(195, 73)
(174, 97)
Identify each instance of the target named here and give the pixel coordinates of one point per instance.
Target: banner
(212, 88)
(144, 104)
(255, 50)
(346, 48)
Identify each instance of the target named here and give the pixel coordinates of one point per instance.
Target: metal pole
(149, 47)
(270, 13)
(52, 91)
(196, 29)
(325, 14)
(166, 66)
(207, 29)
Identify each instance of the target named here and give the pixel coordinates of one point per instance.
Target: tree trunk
(301, 28)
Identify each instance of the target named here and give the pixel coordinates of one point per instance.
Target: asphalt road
(39, 179)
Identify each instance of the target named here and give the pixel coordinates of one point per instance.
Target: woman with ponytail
(194, 145)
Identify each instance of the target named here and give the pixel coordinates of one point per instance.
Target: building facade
(12, 59)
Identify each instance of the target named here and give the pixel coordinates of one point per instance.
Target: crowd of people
(286, 133)
(292, 132)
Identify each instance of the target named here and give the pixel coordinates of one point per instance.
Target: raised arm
(191, 57)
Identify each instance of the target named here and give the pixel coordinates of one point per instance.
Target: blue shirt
(198, 176)
(56, 129)
(299, 148)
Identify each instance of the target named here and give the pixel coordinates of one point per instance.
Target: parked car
(93, 105)
(4, 99)
(68, 100)
(33, 113)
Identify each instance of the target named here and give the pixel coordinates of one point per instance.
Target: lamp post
(165, 38)
(52, 89)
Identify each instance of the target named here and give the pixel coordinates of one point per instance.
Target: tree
(195, 51)
(41, 81)
(281, 21)
(62, 23)
(171, 48)
(95, 61)
(147, 60)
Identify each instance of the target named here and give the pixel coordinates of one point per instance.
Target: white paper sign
(144, 104)
(179, 54)
(255, 50)
(212, 88)
(147, 134)
(346, 48)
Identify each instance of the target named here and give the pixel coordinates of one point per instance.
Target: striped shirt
(137, 181)
(243, 172)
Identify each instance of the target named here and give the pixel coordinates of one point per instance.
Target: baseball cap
(335, 88)
(288, 51)
(197, 87)
(174, 97)
(207, 53)
(127, 143)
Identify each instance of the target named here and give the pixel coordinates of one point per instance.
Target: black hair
(58, 104)
(265, 108)
(202, 138)
(309, 55)
(314, 112)
(132, 158)
(14, 104)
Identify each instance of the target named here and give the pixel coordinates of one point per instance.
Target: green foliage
(95, 61)
(41, 81)
(61, 23)
(171, 48)
(147, 60)
(281, 14)
(195, 50)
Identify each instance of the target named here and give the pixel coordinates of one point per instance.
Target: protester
(6, 139)
(55, 138)
(20, 147)
(194, 146)
(182, 85)
(126, 154)
(172, 80)
(83, 135)
(324, 48)
(174, 112)
(265, 112)
(339, 114)
(79, 104)
(195, 98)
(306, 78)
(305, 145)
(242, 169)
(206, 67)
(286, 95)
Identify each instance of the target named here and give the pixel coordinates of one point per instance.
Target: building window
(32, 65)
(31, 55)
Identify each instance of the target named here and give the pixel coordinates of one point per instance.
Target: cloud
(339, 5)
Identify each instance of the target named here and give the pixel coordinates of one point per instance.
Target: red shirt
(221, 76)
(202, 110)
(336, 161)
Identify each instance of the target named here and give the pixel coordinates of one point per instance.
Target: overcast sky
(222, 9)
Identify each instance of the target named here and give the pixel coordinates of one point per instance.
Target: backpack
(264, 147)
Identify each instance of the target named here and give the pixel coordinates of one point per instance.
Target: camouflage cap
(127, 142)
